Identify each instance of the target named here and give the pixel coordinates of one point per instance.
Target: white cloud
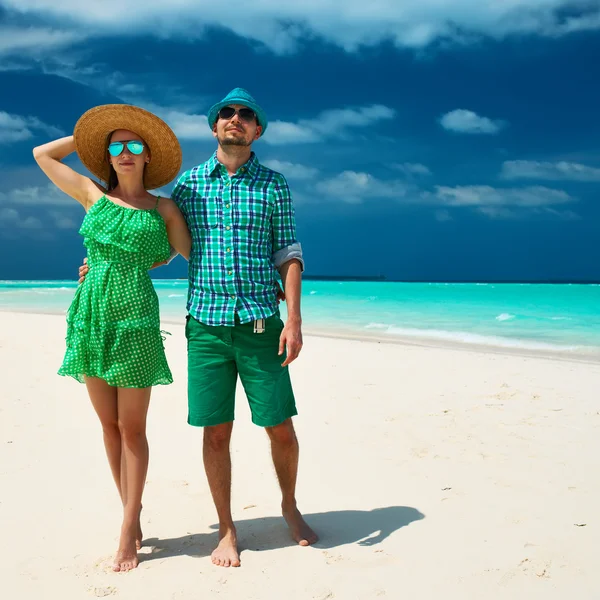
(553, 171)
(62, 220)
(563, 215)
(11, 219)
(354, 187)
(280, 133)
(501, 212)
(292, 170)
(335, 123)
(48, 195)
(53, 211)
(487, 196)
(351, 24)
(35, 41)
(411, 169)
(14, 128)
(466, 121)
(186, 126)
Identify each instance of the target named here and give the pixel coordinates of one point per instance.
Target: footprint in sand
(332, 558)
(101, 592)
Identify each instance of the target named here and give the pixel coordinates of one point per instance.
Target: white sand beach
(427, 472)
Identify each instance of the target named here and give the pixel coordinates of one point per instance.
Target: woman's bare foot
(139, 536)
(226, 553)
(126, 558)
(301, 532)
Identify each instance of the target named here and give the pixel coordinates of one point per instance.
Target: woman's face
(127, 153)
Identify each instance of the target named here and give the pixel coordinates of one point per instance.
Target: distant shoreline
(372, 279)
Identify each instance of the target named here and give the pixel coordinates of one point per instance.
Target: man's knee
(283, 433)
(217, 437)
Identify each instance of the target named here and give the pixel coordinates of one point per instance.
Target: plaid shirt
(242, 228)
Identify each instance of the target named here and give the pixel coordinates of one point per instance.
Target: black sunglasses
(245, 114)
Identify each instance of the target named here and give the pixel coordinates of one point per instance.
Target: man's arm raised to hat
(49, 156)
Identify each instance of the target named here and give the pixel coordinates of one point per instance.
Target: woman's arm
(49, 156)
(177, 229)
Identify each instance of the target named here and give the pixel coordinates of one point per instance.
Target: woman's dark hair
(113, 180)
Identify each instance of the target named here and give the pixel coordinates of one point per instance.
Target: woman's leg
(104, 401)
(132, 406)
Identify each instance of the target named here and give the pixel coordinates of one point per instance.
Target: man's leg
(285, 453)
(217, 464)
(212, 377)
(271, 397)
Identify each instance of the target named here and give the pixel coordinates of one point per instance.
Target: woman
(114, 341)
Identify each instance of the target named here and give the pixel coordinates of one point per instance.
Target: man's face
(236, 131)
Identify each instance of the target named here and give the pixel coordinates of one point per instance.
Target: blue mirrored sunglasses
(134, 146)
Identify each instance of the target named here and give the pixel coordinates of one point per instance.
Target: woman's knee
(110, 429)
(132, 429)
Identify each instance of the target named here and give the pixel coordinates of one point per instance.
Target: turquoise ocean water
(539, 317)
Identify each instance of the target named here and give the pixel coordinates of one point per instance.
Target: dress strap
(156, 205)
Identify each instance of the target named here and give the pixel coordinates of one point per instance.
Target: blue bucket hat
(238, 96)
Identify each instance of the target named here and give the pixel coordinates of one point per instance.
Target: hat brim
(94, 126)
(260, 113)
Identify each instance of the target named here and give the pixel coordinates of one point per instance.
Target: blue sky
(422, 140)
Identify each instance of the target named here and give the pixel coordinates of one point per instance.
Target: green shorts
(217, 354)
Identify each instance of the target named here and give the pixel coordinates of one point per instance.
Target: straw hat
(94, 126)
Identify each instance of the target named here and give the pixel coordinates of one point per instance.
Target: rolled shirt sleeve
(286, 246)
(288, 253)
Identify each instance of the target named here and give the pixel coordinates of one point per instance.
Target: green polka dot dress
(113, 323)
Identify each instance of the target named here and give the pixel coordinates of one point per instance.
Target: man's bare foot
(126, 558)
(301, 532)
(226, 553)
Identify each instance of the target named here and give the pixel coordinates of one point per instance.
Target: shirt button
(229, 272)
(228, 249)
(227, 205)
(227, 227)
(233, 296)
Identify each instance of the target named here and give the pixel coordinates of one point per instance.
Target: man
(241, 219)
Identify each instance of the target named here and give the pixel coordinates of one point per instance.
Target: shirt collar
(249, 169)
(211, 165)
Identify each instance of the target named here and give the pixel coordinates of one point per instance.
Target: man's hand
(83, 270)
(280, 293)
(291, 340)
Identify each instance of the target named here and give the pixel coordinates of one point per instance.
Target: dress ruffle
(98, 351)
(124, 229)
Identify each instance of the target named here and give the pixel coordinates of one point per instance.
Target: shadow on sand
(336, 528)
